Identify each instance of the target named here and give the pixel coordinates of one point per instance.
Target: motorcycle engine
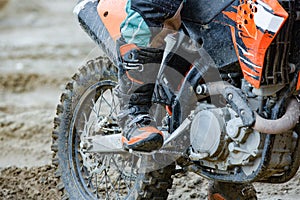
(220, 141)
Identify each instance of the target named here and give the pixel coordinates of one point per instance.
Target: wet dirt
(41, 47)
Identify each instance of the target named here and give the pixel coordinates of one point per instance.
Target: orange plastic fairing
(112, 14)
(298, 84)
(257, 22)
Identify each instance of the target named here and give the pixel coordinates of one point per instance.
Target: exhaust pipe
(287, 122)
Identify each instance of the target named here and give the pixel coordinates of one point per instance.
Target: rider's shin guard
(136, 83)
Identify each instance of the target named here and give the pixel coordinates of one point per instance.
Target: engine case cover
(219, 140)
(207, 131)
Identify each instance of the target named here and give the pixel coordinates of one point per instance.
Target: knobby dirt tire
(97, 73)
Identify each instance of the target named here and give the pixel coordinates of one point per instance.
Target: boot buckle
(134, 66)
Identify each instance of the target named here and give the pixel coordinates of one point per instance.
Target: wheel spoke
(114, 108)
(122, 175)
(100, 102)
(106, 185)
(106, 176)
(107, 102)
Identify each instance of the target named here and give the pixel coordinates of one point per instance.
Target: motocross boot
(231, 191)
(137, 75)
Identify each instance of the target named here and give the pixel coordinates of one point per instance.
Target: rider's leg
(138, 70)
(135, 89)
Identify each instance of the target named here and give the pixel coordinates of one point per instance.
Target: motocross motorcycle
(231, 116)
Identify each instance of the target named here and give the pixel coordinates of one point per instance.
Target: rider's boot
(137, 75)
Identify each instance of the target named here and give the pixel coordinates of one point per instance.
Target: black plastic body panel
(206, 23)
(216, 38)
(203, 11)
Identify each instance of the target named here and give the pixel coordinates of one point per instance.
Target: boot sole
(151, 143)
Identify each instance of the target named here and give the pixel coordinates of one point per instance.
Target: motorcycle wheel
(231, 191)
(87, 102)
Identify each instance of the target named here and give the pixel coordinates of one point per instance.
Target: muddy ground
(41, 46)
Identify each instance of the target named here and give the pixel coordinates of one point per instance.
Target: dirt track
(41, 47)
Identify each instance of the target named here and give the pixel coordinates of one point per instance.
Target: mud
(28, 183)
(41, 47)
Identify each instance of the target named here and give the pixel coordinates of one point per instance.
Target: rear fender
(92, 24)
(112, 14)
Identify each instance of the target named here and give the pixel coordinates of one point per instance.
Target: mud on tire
(92, 175)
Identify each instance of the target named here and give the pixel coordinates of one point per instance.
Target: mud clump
(29, 183)
(22, 82)
(3, 3)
